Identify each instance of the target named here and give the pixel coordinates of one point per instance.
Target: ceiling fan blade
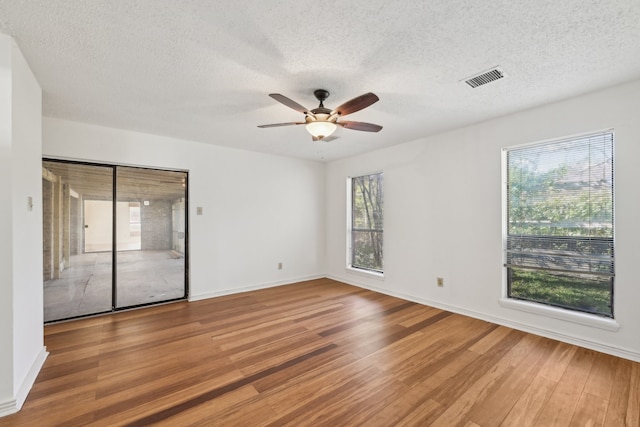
(275, 125)
(289, 102)
(367, 127)
(356, 104)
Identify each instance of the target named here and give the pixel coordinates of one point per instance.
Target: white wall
(27, 223)
(21, 318)
(443, 215)
(259, 209)
(6, 217)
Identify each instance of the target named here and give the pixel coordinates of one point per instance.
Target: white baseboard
(8, 407)
(208, 295)
(603, 348)
(14, 405)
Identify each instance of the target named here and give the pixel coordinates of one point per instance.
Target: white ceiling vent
(485, 77)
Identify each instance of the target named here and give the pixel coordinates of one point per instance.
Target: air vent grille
(485, 77)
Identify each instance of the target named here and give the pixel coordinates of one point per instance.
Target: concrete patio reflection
(85, 287)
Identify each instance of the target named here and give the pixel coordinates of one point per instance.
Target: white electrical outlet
(279, 266)
(440, 282)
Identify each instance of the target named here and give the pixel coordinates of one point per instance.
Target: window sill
(366, 273)
(561, 314)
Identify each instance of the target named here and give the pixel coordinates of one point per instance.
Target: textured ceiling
(202, 70)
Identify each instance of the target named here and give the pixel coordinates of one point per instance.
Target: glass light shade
(321, 129)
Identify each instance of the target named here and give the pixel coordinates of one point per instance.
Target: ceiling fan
(321, 122)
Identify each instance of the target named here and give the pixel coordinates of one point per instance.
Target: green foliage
(367, 217)
(558, 203)
(591, 294)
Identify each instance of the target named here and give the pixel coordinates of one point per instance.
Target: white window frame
(568, 315)
(363, 272)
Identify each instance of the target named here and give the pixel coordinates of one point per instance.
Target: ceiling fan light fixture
(321, 122)
(320, 129)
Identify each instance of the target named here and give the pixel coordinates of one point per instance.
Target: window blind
(560, 206)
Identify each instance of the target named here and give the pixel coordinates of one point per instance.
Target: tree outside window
(367, 222)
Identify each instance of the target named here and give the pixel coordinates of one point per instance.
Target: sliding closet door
(150, 236)
(77, 202)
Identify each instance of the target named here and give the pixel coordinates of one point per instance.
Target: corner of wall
(12, 406)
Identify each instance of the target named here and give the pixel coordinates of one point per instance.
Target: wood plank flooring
(319, 353)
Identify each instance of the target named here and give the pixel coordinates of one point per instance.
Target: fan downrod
(321, 95)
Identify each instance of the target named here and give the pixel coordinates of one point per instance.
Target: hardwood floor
(320, 353)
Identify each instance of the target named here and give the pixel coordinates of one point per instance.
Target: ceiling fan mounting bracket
(321, 94)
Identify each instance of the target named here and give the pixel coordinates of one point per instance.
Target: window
(559, 247)
(366, 222)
